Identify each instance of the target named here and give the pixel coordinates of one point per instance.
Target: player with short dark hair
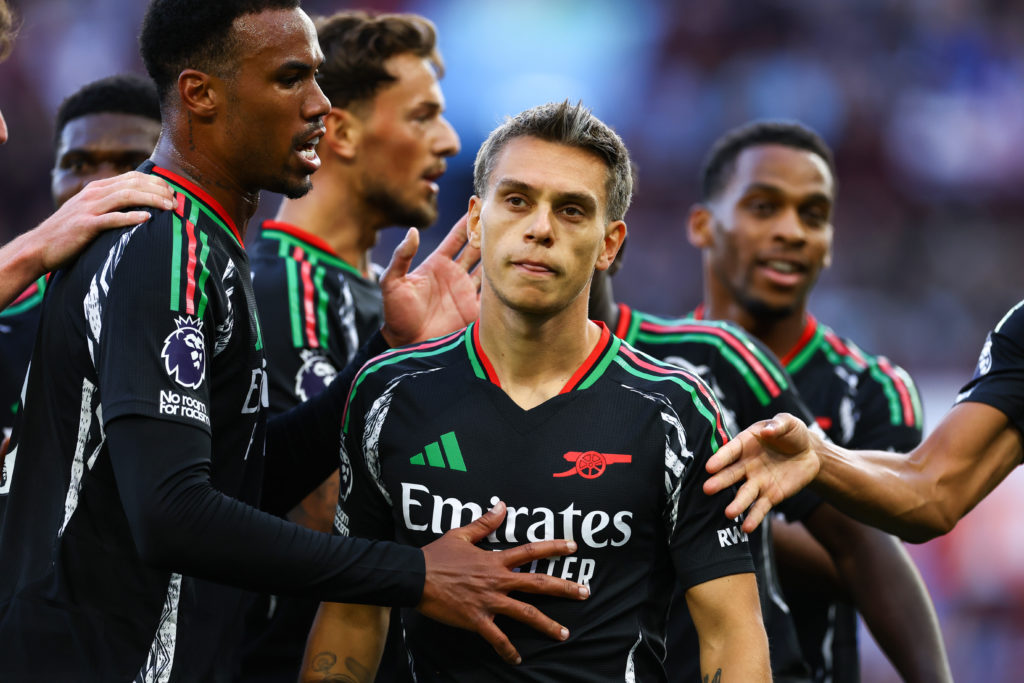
(107, 204)
(142, 429)
(105, 128)
(764, 226)
(383, 151)
(583, 435)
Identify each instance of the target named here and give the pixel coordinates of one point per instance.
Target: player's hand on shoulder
(467, 586)
(771, 460)
(440, 296)
(98, 207)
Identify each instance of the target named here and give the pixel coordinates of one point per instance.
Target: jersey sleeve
(364, 507)
(703, 543)
(153, 335)
(887, 409)
(998, 379)
(311, 345)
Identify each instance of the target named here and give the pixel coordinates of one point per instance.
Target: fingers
(543, 584)
(532, 617)
(756, 514)
(528, 552)
(500, 642)
(402, 257)
(479, 528)
(119, 219)
(476, 276)
(455, 239)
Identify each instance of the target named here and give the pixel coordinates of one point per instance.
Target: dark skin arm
(887, 590)
(917, 496)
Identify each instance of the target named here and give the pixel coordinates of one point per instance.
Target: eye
(761, 207)
(815, 217)
(574, 212)
(515, 200)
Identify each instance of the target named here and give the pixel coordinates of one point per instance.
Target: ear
(700, 227)
(344, 131)
(199, 92)
(474, 226)
(614, 235)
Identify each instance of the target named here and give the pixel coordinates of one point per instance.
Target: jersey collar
(586, 374)
(314, 246)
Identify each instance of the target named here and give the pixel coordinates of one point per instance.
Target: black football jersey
(750, 385)
(157, 320)
(18, 325)
(998, 379)
(319, 307)
(615, 461)
(861, 401)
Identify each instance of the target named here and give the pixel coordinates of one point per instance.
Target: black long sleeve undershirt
(181, 523)
(303, 443)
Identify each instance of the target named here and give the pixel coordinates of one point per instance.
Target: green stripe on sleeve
(323, 330)
(175, 263)
(294, 302)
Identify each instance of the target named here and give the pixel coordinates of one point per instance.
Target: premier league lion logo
(184, 353)
(314, 376)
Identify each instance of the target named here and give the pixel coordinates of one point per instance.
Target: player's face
(97, 146)
(542, 226)
(404, 143)
(770, 232)
(275, 109)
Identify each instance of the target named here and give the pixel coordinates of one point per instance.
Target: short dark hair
(120, 94)
(194, 34)
(568, 124)
(356, 44)
(8, 30)
(721, 159)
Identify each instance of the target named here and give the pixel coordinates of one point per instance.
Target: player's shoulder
(1011, 325)
(636, 369)
(432, 354)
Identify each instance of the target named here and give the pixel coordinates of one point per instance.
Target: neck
(534, 356)
(329, 212)
(780, 334)
(189, 161)
(602, 300)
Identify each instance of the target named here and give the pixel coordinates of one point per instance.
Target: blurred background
(921, 100)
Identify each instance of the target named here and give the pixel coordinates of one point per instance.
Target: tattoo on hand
(716, 679)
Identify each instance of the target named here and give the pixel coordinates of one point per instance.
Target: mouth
(534, 268)
(783, 272)
(431, 177)
(306, 150)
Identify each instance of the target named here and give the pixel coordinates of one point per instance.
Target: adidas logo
(436, 454)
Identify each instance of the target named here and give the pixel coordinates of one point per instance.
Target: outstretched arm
(75, 224)
(727, 616)
(887, 590)
(916, 496)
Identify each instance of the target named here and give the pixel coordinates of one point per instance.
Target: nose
(447, 143)
(317, 105)
(789, 228)
(539, 228)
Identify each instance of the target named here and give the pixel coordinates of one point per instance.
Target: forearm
(888, 592)
(20, 264)
(924, 493)
(181, 523)
(345, 643)
(727, 615)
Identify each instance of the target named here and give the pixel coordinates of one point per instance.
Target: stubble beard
(397, 212)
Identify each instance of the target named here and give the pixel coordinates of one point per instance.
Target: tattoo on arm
(325, 661)
(716, 679)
